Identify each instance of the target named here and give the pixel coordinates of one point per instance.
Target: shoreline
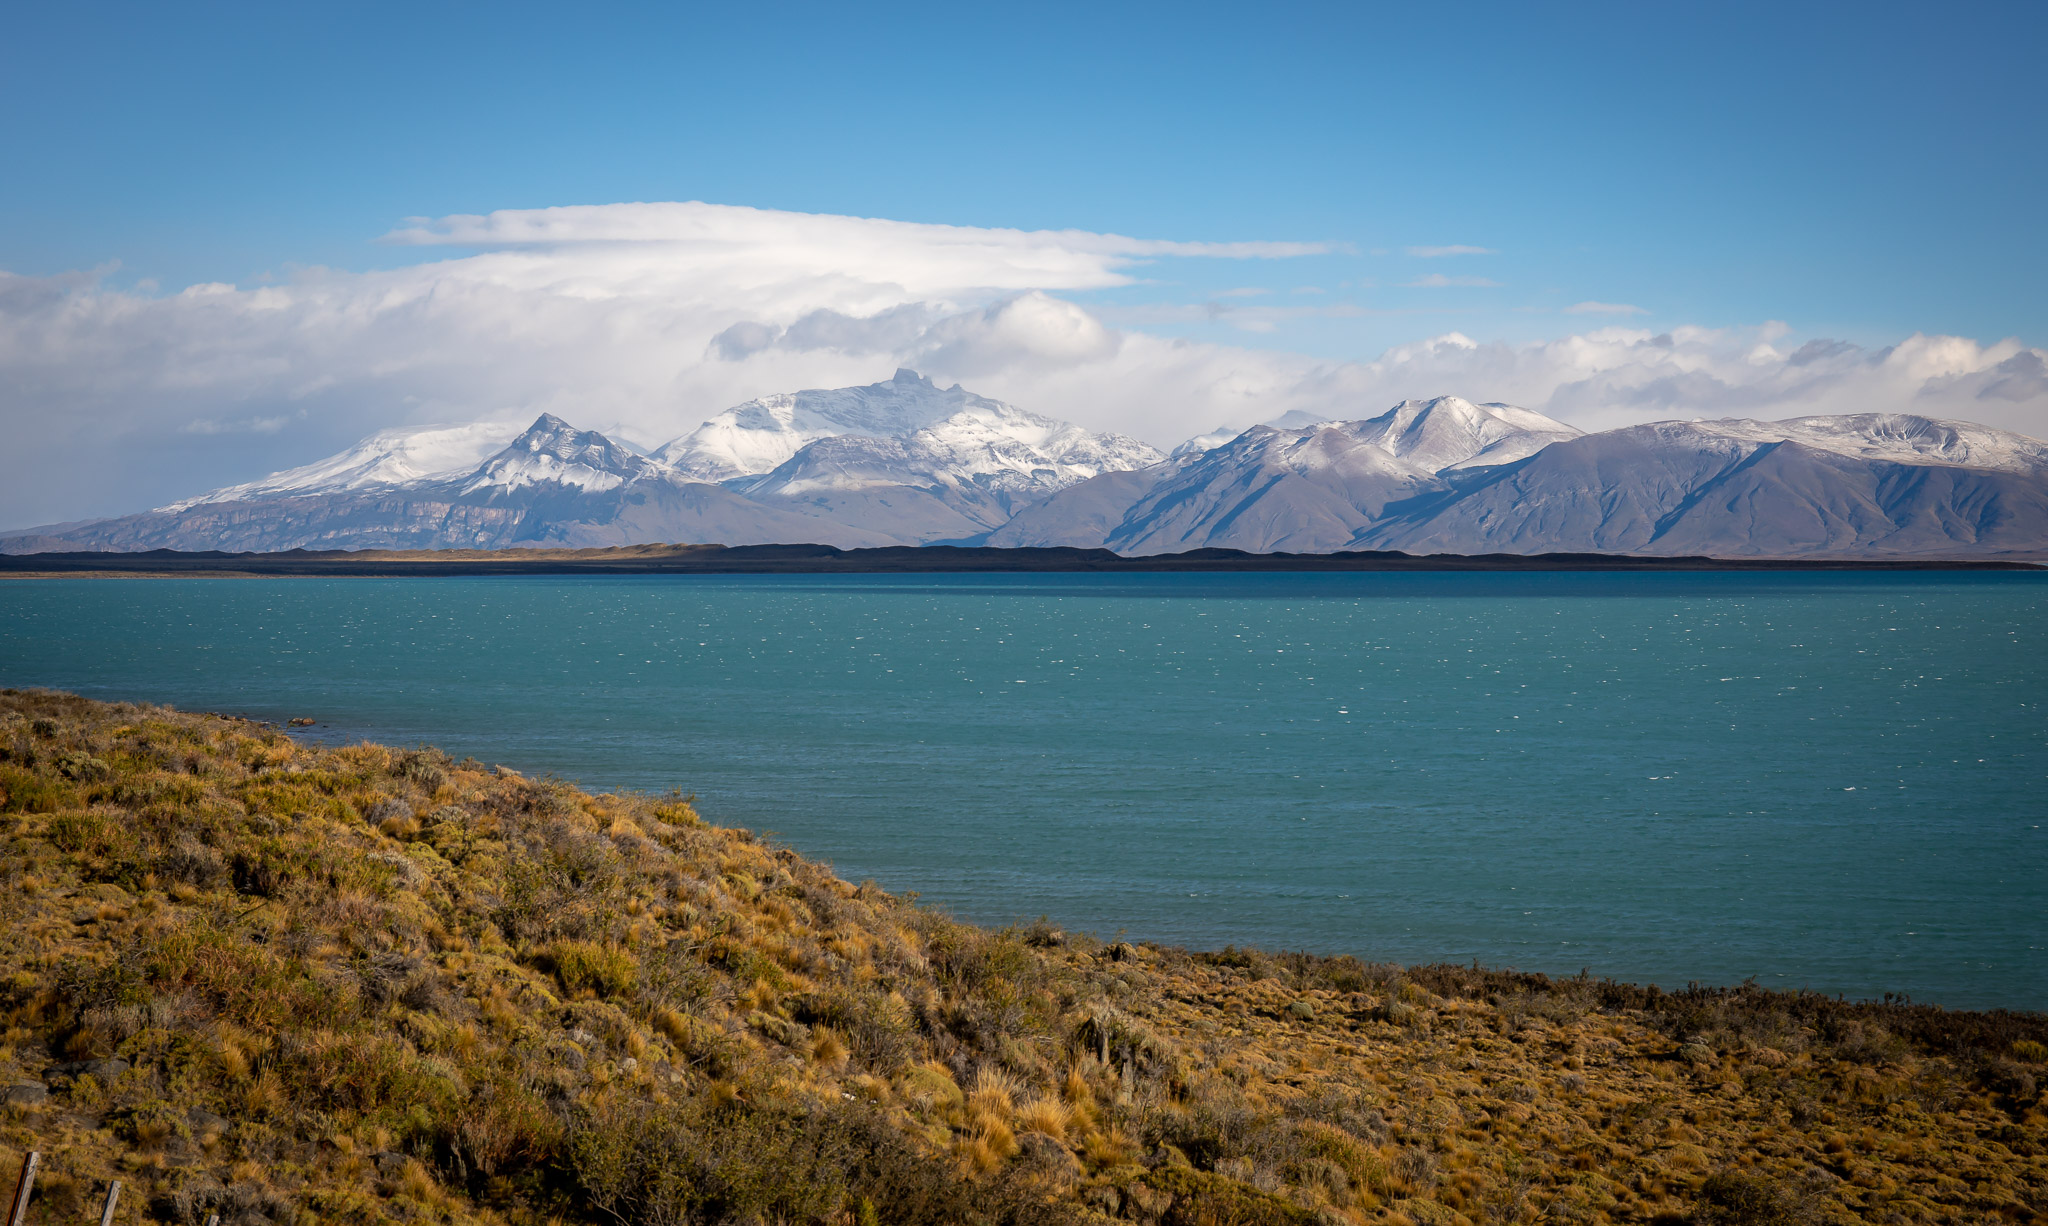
(928, 559)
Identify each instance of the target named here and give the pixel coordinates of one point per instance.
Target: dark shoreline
(928, 559)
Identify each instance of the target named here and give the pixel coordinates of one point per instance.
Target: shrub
(692, 1161)
(1734, 1198)
(1199, 1199)
(582, 966)
(424, 767)
(82, 767)
(80, 832)
(23, 791)
(504, 1127)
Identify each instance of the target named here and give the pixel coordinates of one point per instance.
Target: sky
(235, 238)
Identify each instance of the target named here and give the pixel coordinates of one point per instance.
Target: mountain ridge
(906, 462)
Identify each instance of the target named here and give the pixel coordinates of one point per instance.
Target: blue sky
(1607, 212)
(1858, 170)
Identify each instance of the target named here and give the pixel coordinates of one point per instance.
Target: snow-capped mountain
(1448, 476)
(760, 435)
(899, 462)
(1309, 489)
(905, 456)
(907, 462)
(1902, 438)
(553, 452)
(1866, 485)
(954, 479)
(387, 458)
(1201, 445)
(1448, 433)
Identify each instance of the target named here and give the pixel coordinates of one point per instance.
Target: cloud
(646, 319)
(1437, 280)
(1432, 253)
(763, 246)
(1603, 308)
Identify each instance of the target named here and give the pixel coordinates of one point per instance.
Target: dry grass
(365, 985)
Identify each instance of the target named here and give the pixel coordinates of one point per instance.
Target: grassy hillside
(288, 984)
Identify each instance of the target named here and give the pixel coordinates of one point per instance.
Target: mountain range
(907, 462)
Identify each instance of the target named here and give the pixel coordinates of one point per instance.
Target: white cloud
(764, 247)
(1432, 253)
(1437, 280)
(1604, 308)
(646, 319)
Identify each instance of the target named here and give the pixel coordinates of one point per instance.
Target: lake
(1835, 781)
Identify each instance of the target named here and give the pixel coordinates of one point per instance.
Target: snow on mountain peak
(1418, 437)
(1201, 445)
(759, 436)
(551, 451)
(987, 445)
(1904, 438)
(1450, 432)
(388, 458)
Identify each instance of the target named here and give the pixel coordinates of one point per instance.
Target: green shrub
(82, 768)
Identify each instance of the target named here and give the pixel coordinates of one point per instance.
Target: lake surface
(1831, 781)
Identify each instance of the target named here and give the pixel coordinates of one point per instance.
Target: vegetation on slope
(291, 984)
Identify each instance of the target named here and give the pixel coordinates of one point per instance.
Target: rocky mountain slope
(287, 983)
(1873, 485)
(1312, 489)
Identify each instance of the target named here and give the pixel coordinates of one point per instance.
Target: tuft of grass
(589, 968)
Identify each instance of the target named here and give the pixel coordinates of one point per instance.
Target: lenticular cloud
(645, 319)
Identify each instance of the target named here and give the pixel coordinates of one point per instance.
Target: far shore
(927, 559)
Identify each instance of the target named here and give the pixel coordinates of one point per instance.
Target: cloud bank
(647, 318)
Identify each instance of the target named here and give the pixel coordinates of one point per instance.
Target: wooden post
(23, 1187)
(113, 1194)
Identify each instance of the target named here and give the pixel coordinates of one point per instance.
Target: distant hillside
(291, 984)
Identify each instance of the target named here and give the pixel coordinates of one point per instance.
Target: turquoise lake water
(1830, 781)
